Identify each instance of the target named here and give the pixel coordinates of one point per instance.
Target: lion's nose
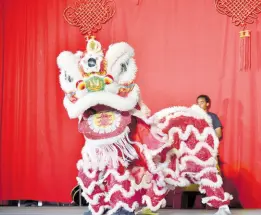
(91, 62)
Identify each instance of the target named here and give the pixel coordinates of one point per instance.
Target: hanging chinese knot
(89, 15)
(242, 12)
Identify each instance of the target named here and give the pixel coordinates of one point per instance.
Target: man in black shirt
(204, 102)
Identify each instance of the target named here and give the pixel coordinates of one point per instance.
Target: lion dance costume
(132, 159)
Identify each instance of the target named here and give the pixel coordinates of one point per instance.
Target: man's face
(202, 103)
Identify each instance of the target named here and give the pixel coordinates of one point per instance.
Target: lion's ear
(120, 63)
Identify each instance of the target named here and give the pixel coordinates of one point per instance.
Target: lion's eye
(70, 79)
(123, 68)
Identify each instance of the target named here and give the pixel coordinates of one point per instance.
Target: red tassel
(245, 50)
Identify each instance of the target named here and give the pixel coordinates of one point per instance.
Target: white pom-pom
(64, 59)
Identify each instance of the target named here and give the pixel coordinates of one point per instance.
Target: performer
(204, 102)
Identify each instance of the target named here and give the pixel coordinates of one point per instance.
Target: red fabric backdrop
(183, 48)
(1, 75)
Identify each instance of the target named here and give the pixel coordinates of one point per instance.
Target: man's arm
(217, 125)
(219, 132)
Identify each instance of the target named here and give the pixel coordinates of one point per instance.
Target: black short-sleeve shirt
(215, 120)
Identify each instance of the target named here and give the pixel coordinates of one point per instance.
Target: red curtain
(1, 75)
(183, 48)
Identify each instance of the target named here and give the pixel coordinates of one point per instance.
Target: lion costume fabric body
(131, 159)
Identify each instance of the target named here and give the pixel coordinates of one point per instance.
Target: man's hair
(207, 99)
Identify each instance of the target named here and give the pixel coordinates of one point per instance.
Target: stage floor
(79, 211)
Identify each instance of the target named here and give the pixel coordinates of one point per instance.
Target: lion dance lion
(130, 158)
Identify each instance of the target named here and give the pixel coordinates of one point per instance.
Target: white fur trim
(184, 136)
(96, 197)
(184, 148)
(106, 141)
(88, 190)
(144, 108)
(67, 61)
(117, 187)
(139, 114)
(157, 191)
(227, 196)
(101, 208)
(181, 182)
(119, 178)
(143, 113)
(104, 98)
(194, 111)
(206, 170)
(112, 88)
(210, 183)
(125, 193)
(147, 200)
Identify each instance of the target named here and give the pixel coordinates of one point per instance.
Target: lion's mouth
(104, 122)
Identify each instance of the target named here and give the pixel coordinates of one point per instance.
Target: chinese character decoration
(89, 15)
(242, 13)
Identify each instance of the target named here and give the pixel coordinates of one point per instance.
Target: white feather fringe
(105, 152)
